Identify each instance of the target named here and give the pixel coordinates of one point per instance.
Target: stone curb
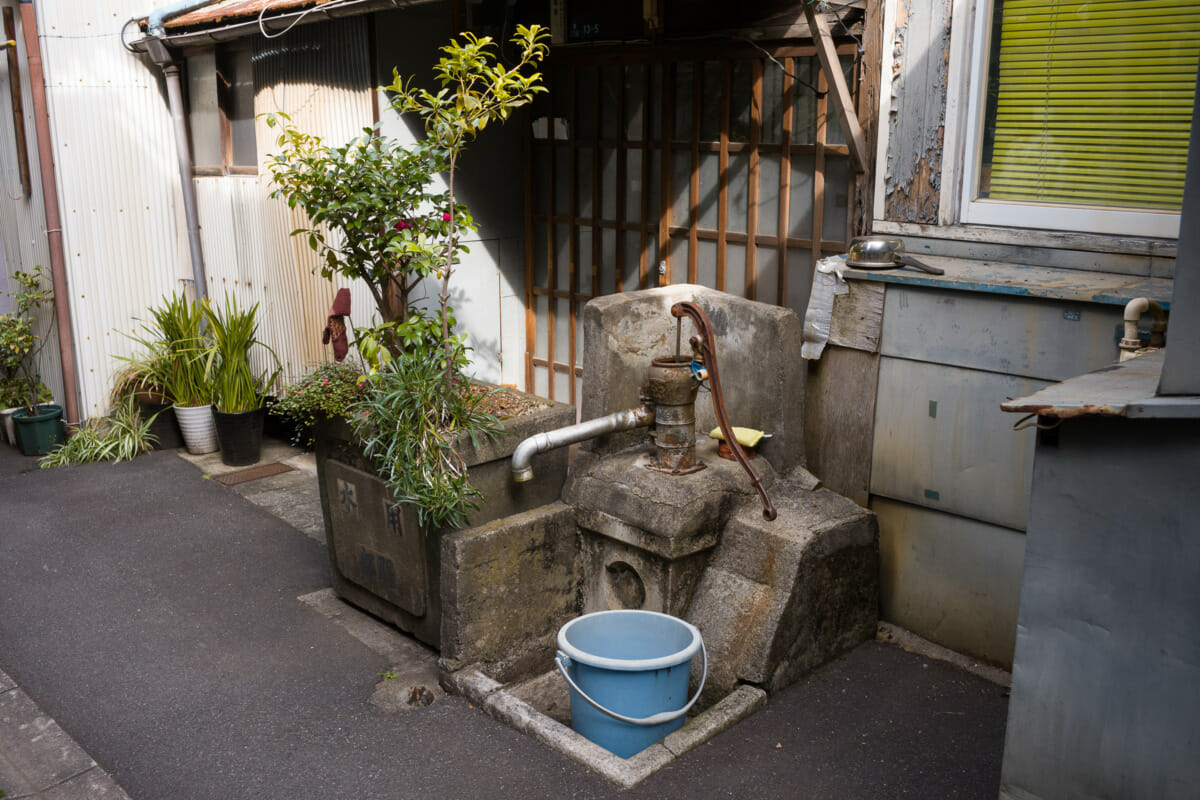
(492, 697)
(912, 643)
(38, 760)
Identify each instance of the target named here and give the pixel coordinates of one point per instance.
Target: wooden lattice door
(725, 168)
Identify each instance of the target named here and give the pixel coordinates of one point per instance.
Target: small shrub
(325, 392)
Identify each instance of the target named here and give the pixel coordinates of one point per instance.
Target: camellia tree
(373, 216)
(475, 89)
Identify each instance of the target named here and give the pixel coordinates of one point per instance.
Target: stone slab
(39, 760)
(758, 358)
(677, 514)
(783, 597)
(507, 587)
(506, 705)
(732, 709)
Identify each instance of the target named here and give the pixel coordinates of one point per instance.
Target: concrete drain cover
(251, 474)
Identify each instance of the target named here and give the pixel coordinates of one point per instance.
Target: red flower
(446, 216)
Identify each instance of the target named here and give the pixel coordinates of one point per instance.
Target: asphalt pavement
(154, 616)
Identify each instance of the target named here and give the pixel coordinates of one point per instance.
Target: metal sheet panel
(1033, 338)
(942, 441)
(319, 75)
(952, 580)
(118, 189)
(23, 217)
(117, 181)
(1106, 680)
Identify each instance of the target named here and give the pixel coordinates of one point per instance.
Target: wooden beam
(827, 55)
(18, 109)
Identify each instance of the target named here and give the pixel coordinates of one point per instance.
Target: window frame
(221, 99)
(1074, 219)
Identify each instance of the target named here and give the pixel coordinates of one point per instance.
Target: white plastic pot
(199, 430)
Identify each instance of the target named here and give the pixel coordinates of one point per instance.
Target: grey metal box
(942, 441)
(1035, 338)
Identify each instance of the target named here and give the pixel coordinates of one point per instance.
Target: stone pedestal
(646, 535)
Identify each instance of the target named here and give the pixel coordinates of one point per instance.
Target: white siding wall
(318, 75)
(117, 181)
(23, 216)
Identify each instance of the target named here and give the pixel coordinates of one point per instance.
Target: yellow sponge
(746, 437)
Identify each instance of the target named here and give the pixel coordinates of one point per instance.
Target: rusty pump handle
(708, 353)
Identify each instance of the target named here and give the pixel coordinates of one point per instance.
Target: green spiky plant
(179, 330)
(233, 332)
(408, 424)
(122, 436)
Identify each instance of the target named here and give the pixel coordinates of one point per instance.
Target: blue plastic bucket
(628, 673)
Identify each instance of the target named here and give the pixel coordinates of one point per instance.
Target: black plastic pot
(240, 435)
(38, 434)
(164, 426)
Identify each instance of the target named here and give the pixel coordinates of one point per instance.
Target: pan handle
(909, 261)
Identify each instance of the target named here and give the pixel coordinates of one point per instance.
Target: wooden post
(831, 66)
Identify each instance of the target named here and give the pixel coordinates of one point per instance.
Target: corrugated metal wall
(23, 216)
(124, 237)
(318, 75)
(117, 180)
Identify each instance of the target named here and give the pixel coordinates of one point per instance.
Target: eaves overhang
(236, 19)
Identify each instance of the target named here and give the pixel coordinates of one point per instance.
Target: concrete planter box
(384, 562)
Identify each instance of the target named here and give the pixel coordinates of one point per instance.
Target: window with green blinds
(1090, 103)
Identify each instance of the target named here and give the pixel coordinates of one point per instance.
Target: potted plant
(12, 397)
(420, 454)
(237, 392)
(327, 391)
(142, 381)
(38, 426)
(178, 326)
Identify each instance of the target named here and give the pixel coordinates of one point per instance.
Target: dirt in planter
(506, 404)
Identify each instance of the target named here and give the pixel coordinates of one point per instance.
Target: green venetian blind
(1090, 103)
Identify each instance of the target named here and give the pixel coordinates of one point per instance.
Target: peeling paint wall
(917, 119)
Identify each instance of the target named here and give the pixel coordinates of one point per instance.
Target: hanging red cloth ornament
(335, 325)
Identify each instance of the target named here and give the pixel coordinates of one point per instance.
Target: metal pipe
(184, 157)
(626, 420)
(1134, 309)
(58, 269)
(154, 23)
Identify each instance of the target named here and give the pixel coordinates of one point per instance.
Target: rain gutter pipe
(159, 16)
(279, 22)
(165, 60)
(58, 270)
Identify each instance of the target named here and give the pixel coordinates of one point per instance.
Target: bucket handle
(655, 719)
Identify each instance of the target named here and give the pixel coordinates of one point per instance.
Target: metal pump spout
(630, 418)
(706, 350)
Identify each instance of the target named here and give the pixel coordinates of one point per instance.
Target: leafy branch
(476, 89)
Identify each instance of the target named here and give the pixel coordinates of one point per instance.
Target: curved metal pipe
(1133, 313)
(628, 419)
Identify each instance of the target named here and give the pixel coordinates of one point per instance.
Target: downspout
(58, 270)
(165, 60)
